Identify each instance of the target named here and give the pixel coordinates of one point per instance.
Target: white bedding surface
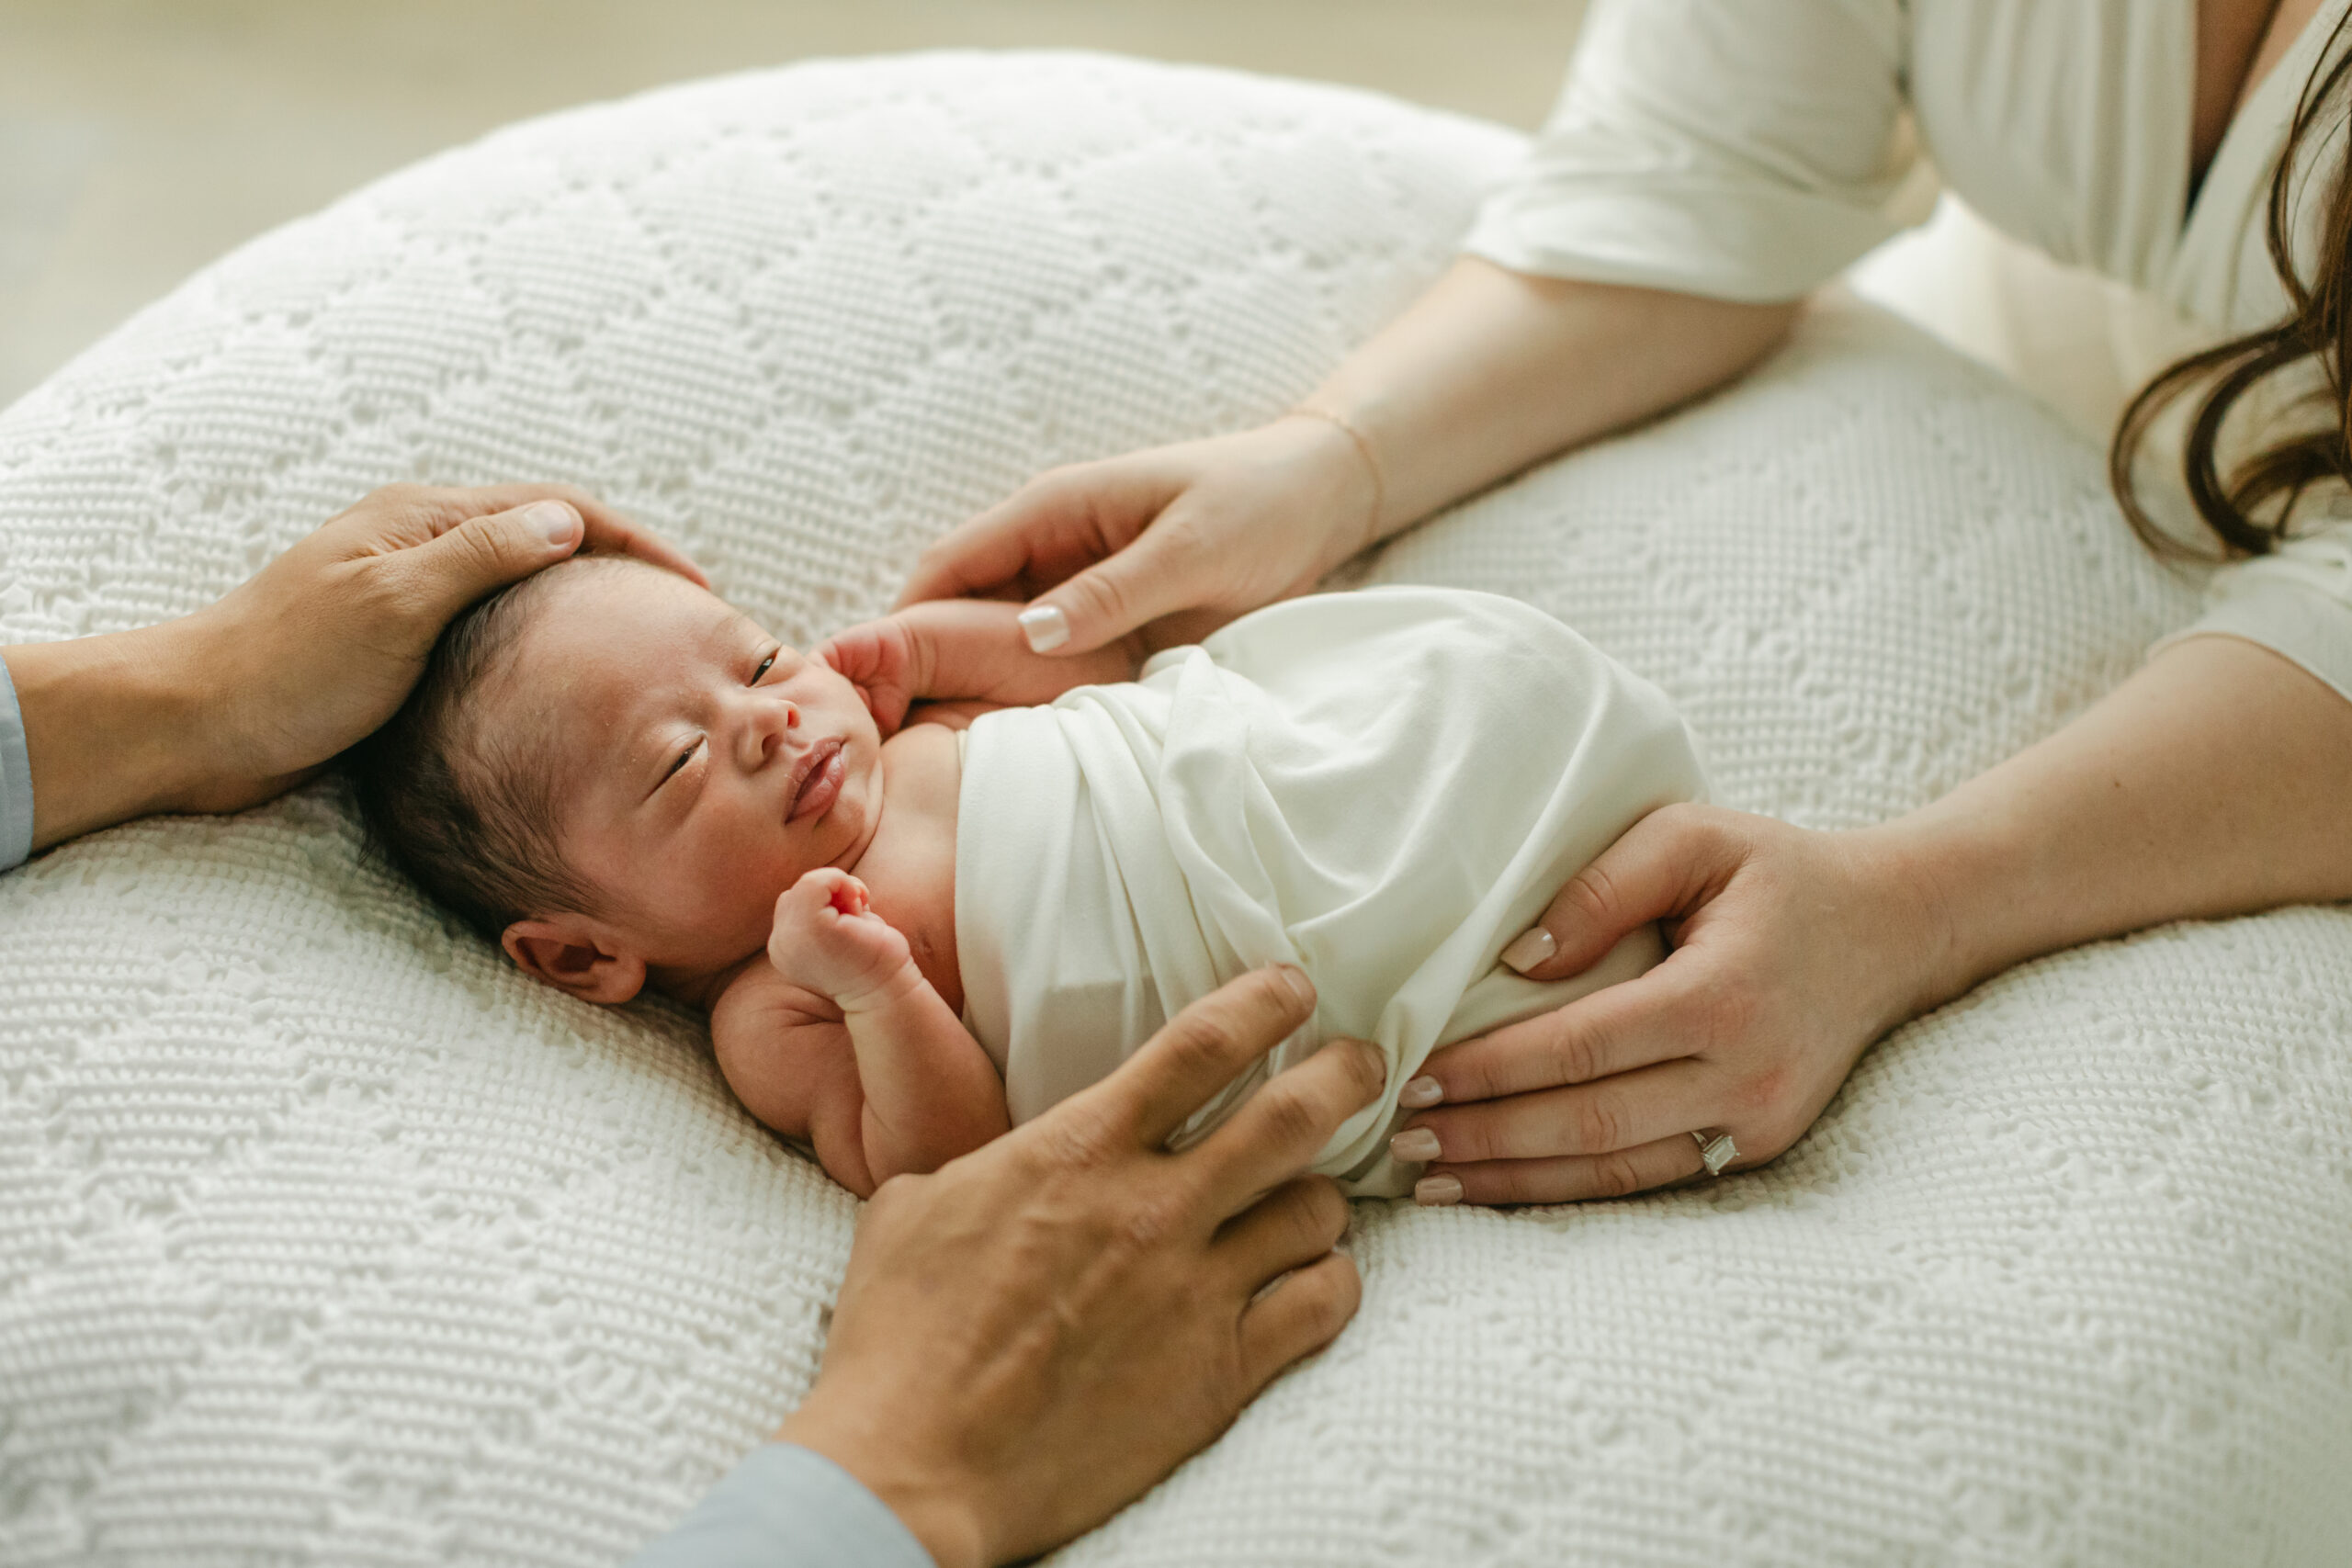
(325, 1237)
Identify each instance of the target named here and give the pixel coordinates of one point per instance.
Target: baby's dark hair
(467, 811)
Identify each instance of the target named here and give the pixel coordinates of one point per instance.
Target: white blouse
(1746, 150)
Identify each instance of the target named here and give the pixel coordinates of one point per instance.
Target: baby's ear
(570, 958)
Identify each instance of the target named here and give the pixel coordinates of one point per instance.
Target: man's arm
(16, 778)
(224, 709)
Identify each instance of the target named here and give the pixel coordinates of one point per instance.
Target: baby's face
(699, 766)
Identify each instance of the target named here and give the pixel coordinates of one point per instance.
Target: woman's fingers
(1058, 524)
(1665, 866)
(1169, 568)
(1635, 1023)
(1571, 1179)
(1297, 1317)
(1621, 1111)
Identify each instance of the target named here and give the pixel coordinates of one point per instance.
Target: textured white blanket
(325, 1237)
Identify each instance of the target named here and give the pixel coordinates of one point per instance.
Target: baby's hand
(879, 659)
(828, 939)
(954, 649)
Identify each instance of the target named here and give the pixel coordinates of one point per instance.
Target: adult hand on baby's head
(1034, 1335)
(226, 707)
(320, 647)
(1793, 950)
(1172, 542)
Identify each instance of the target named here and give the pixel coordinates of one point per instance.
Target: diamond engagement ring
(1716, 1149)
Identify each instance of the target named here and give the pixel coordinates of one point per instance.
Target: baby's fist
(828, 939)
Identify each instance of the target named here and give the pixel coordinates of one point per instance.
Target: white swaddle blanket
(1382, 788)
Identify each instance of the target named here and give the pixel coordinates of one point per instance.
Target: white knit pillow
(325, 1237)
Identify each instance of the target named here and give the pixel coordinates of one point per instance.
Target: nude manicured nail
(1416, 1144)
(1300, 985)
(1045, 627)
(558, 522)
(1437, 1191)
(1420, 1093)
(1530, 947)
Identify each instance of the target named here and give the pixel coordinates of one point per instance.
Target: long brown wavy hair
(2250, 509)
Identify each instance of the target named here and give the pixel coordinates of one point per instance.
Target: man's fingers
(1280, 1129)
(1663, 866)
(1288, 1228)
(483, 554)
(1206, 1046)
(1619, 1112)
(1573, 1180)
(1298, 1317)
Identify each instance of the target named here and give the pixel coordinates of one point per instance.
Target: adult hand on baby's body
(1172, 542)
(1031, 1337)
(320, 647)
(1791, 952)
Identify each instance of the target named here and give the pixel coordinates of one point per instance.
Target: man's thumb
(1104, 603)
(482, 555)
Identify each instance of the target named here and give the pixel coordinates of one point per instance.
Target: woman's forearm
(2216, 780)
(1492, 371)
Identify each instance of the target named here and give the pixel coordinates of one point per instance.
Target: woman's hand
(957, 650)
(1791, 952)
(1172, 542)
(1034, 1335)
(224, 709)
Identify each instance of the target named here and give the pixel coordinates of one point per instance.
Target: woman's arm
(224, 709)
(1488, 372)
(2211, 783)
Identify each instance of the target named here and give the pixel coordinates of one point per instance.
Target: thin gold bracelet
(1371, 462)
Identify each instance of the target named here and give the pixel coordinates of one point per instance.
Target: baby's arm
(958, 651)
(929, 1092)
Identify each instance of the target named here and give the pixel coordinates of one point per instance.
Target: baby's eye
(761, 673)
(683, 759)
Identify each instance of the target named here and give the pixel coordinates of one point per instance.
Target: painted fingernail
(1437, 1191)
(1417, 1144)
(1530, 947)
(1045, 627)
(558, 523)
(1420, 1093)
(1300, 985)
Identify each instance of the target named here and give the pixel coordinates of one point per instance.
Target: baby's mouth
(820, 782)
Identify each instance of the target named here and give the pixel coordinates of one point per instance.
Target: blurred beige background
(139, 139)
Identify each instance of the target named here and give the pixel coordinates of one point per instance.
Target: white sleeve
(786, 1507)
(2297, 602)
(1736, 149)
(15, 779)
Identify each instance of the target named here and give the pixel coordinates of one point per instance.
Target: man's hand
(958, 649)
(1031, 1337)
(224, 709)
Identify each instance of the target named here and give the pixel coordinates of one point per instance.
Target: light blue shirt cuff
(786, 1507)
(16, 778)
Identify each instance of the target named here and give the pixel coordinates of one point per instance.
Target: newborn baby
(918, 910)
